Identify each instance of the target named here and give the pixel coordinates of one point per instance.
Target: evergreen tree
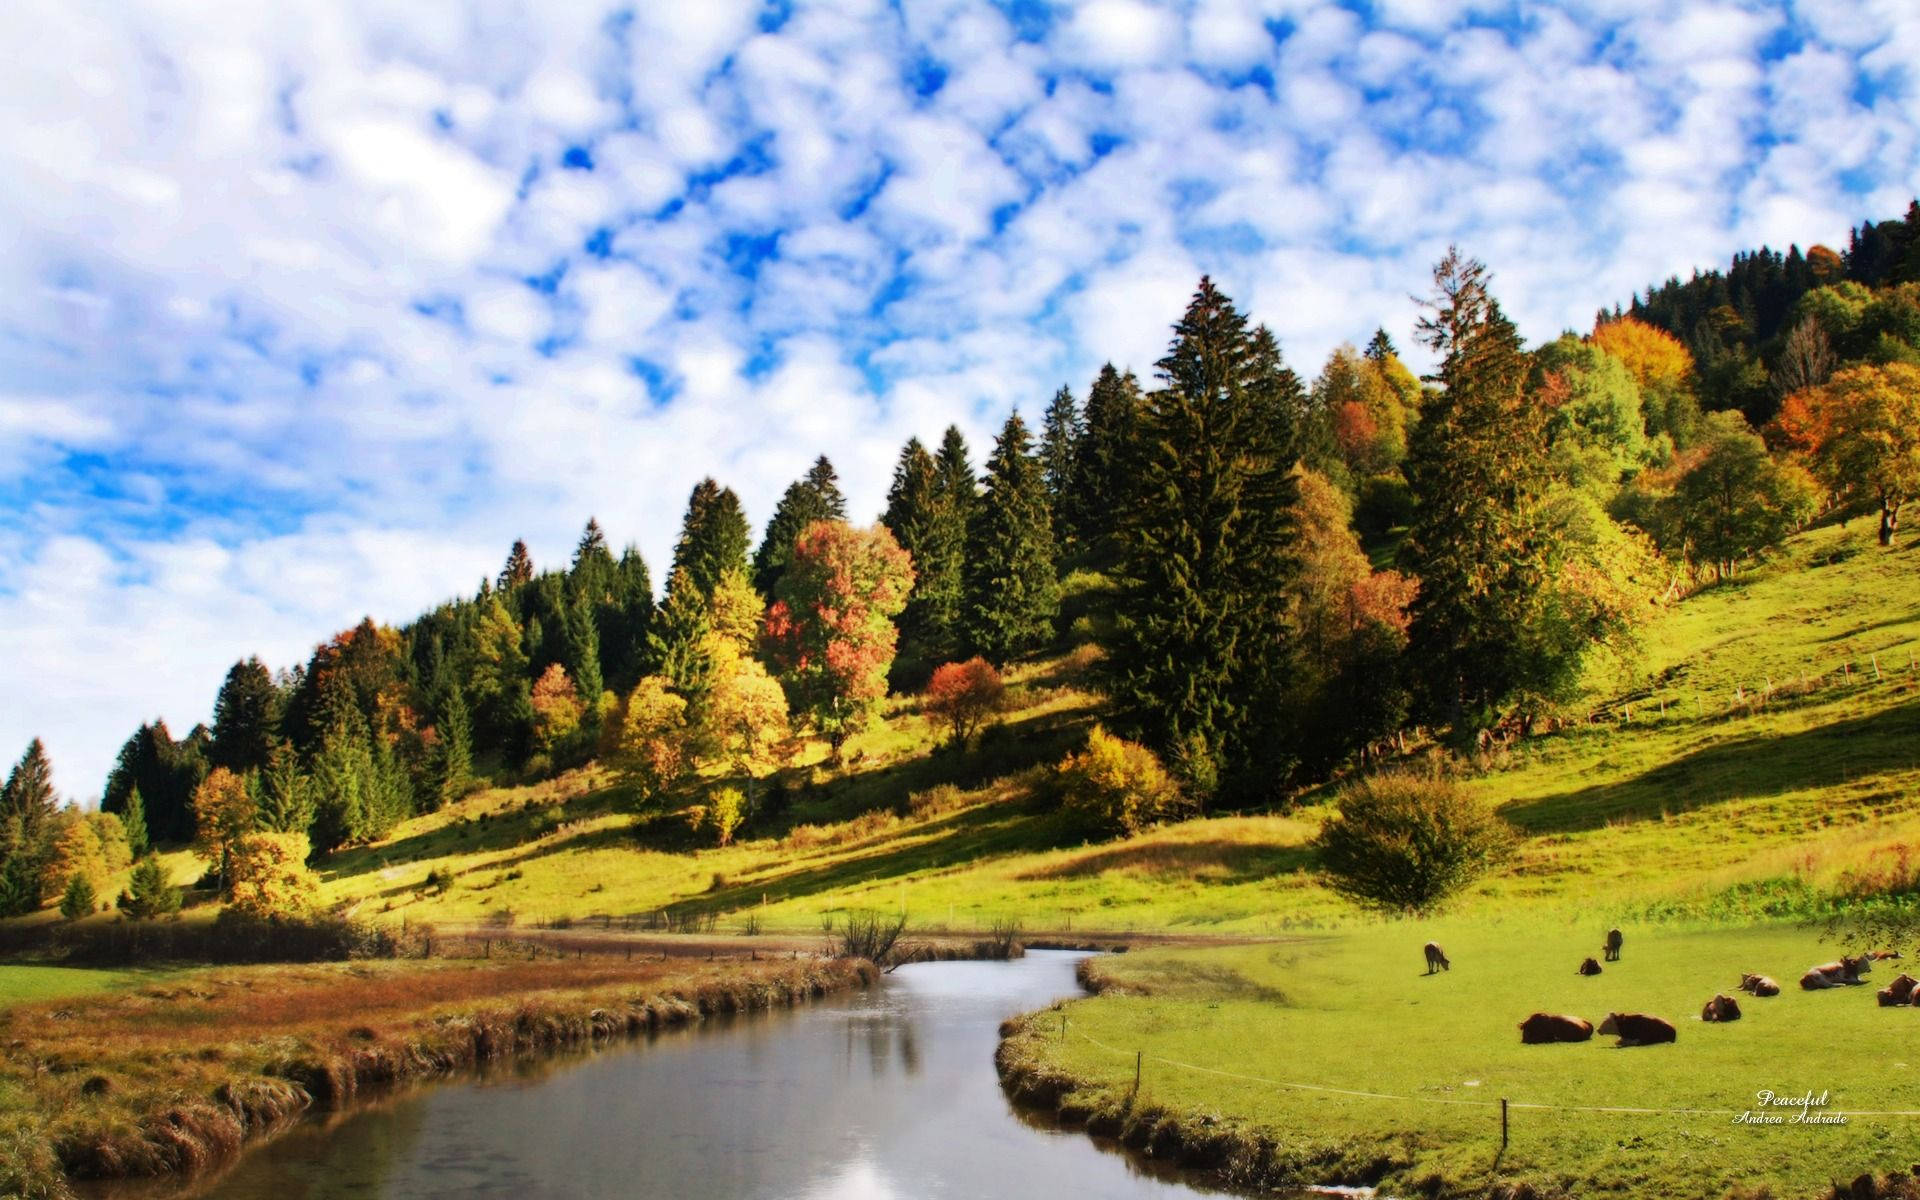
(1478, 467)
(679, 634)
(27, 802)
(78, 899)
(518, 569)
(1012, 593)
(593, 567)
(815, 497)
(286, 795)
(166, 773)
(246, 718)
(452, 764)
(133, 818)
(625, 621)
(1101, 459)
(1199, 657)
(149, 892)
(912, 517)
(940, 587)
(1380, 348)
(713, 536)
(1060, 438)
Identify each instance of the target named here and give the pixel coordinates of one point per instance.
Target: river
(863, 1096)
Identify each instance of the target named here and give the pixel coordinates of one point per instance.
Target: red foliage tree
(964, 695)
(830, 633)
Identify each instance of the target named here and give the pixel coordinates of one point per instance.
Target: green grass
(1353, 1010)
(27, 984)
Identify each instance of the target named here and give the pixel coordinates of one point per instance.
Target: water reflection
(886, 1094)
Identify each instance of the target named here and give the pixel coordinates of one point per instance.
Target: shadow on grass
(1767, 764)
(1216, 861)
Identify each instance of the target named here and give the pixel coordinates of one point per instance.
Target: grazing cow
(1588, 967)
(1613, 945)
(1437, 958)
(1759, 985)
(1639, 1029)
(1541, 1028)
(1721, 1008)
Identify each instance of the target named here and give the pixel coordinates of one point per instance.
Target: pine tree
(940, 588)
(1478, 468)
(518, 569)
(592, 572)
(133, 818)
(624, 622)
(713, 536)
(1380, 347)
(1198, 660)
(149, 892)
(27, 802)
(286, 802)
(1060, 438)
(246, 717)
(78, 899)
(815, 497)
(1012, 593)
(1101, 458)
(912, 515)
(452, 764)
(679, 635)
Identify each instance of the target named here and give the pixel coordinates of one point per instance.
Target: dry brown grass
(176, 1077)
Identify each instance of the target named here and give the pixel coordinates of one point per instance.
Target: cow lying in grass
(1541, 1028)
(1845, 973)
(1721, 1008)
(1589, 967)
(1638, 1029)
(1759, 985)
(1898, 992)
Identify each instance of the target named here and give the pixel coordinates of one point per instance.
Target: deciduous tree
(815, 497)
(963, 696)
(223, 813)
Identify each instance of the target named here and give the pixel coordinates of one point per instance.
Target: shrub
(869, 935)
(78, 900)
(724, 812)
(964, 695)
(1120, 786)
(149, 892)
(1406, 843)
(439, 881)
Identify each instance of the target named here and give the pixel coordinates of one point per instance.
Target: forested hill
(1739, 323)
(1278, 578)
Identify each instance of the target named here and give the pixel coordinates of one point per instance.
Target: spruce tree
(133, 818)
(1478, 468)
(246, 718)
(1100, 461)
(624, 622)
(713, 536)
(814, 497)
(1060, 437)
(286, 800)
(518, 569)
(27, 802)
(452, 764)
(592, 572)
(1198, 660)
(1012, 594)
(149, 892)
(679, 635)
(940, 589)
(912, 516)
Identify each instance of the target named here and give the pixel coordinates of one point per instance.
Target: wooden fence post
(1137, 1055)
(1503, 1123)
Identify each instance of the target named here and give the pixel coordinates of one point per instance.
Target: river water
(890, 1093)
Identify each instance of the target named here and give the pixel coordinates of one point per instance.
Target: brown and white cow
(1845, 973)
(1437, 958)
(1898, 991)
(1639, 1029)
(1541, 1028)
(1759, 985)
(1588, 967)
(1721, 1008)
(1883, 955)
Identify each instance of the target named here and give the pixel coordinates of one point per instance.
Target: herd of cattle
(1640, 1029)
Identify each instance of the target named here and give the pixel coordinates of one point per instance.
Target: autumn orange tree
(1663, 369)
(830, 634)
(1867, 422)
(223, 813)
(963, 695)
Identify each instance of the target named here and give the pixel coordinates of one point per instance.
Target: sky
(309, 309)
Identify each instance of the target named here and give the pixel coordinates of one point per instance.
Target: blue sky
(308, 310)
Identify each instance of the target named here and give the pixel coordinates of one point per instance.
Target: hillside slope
(1762, 756)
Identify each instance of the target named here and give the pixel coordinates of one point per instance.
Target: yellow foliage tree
(1121, 786)
(1664, 370)
(556, 708)
(223, 813)
(270, 877)
(650, 739)
(1870, 419)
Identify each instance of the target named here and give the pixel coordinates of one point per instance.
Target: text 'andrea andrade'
(1776, 1108)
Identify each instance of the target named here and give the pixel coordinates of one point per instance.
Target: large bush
(963, 695)
(1405, 842)
(1120, 786)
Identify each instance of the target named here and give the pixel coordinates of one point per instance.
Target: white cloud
(269, 359)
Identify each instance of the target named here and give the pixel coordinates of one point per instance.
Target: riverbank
(1335, 1060)
(175, 1076)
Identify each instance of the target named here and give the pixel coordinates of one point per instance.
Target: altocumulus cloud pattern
(308, 309)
